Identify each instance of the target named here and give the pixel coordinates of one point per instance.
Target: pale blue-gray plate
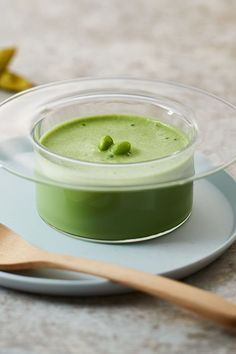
(205, 236)
(210, 230)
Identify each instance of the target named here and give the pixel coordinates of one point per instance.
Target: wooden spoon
(16, 253)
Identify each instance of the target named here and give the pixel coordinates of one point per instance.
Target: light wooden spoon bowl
(16, 254)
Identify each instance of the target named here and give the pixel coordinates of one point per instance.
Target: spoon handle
(202, 302)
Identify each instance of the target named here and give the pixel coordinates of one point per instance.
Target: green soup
(149, 139)
(114, 214)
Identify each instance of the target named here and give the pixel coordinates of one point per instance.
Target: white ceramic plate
(207, 234)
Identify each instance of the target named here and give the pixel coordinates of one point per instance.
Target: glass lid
(208, 121)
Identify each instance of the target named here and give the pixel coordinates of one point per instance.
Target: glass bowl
(123, 202)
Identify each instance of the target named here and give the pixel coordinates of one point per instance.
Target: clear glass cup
(115, 202)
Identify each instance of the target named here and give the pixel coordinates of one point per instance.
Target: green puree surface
(149, 139)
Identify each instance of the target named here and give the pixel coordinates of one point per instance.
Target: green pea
(105, 142)
(121, 148)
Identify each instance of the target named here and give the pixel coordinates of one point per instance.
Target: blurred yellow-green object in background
(11, 81)
(5, 57)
